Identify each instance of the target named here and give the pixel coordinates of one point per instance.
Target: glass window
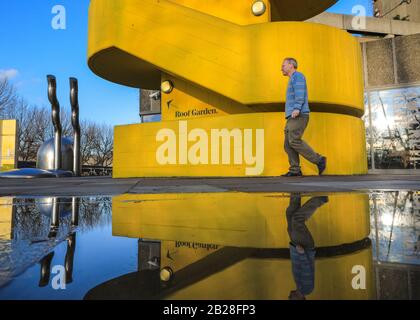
(366, 119)
(151, 118)
(393, 128)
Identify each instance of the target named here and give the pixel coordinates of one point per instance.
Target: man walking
(297, 115)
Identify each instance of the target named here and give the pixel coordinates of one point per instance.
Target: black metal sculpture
(56, 157)
(55, 112)
(74, 101)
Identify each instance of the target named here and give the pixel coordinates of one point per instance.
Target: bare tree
(8, 96)
(87, 145)
(104, 144)
(65, 123)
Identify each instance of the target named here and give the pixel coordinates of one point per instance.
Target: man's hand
(295, 114)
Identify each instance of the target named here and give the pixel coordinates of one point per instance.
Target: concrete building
(392, 92)
(368, 28)
(390, 43)
(408, 10)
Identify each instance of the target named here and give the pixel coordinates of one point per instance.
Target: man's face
(286, 67)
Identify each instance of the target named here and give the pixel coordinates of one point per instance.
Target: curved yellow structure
(218, 59)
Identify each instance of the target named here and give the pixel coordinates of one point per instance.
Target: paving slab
(91, 186)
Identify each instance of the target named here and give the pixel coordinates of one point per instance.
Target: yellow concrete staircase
(223, 66)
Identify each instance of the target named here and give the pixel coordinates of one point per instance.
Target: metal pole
(55, 213)
(74, 101)
(69, 259)
(52, 97)
(75, 211)
(55, 218)
(45, 270)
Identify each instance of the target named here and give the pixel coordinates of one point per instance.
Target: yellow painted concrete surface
(8, 144)
(340, 138)
(133, 41)
(239, 11)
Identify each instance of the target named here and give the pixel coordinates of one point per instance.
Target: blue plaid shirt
(303, 268)
(297, 94)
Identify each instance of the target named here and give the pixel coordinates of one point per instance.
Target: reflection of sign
(195, 246)
(179, 254)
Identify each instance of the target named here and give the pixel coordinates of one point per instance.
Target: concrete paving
(92, 186)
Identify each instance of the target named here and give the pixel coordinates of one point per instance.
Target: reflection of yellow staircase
(236, 219)
(224, 62)
(6, 217)
(235, 245)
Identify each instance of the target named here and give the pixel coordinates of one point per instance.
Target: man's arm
(299, 86)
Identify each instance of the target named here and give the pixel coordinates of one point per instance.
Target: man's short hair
(293, 61)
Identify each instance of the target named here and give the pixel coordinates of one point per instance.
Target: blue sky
(30, 49)
(345, 6)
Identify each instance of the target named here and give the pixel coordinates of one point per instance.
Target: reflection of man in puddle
(302, 246)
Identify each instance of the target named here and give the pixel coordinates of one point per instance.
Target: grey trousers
(295, 146)
(297, 215)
